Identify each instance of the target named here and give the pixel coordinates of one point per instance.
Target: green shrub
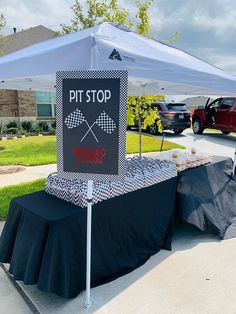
(13, 130)
(11, 124)
(38, 130)
(26, 125)
(53, 124)
(43, 125)
(22, 132)
(33, 128)
(53, 131)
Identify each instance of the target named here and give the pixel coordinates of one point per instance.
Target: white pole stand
(88, 301)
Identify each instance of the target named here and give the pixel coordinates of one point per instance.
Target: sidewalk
(28, 174)
(32, 173)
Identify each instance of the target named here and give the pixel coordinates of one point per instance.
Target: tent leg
(234, 166)
(88, 301)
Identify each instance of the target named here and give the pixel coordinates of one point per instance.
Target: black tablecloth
(206, 197)
(44, 238)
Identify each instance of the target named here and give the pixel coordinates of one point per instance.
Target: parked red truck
(219, 114)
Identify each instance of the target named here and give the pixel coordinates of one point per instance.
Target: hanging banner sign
(91, 124)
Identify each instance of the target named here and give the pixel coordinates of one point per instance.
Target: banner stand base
(88, 305)
(88, 302)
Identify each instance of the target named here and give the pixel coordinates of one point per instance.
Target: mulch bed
(11, 169)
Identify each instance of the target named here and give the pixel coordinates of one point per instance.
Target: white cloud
(221, 24)
(207, 27)
(26, 13)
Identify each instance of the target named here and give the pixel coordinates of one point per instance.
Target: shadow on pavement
(185, 237)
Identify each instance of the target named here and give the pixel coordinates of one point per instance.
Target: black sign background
(91, 111)
(69, 139)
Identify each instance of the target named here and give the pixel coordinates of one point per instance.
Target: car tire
(197, 127)
(152, 129)
(178, 131)
(225, 132)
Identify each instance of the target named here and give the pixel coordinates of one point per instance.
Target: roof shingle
(25, 38)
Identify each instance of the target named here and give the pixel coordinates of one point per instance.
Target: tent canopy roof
(153, 67)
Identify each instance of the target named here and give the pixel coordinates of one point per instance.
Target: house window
(45, 104)
(54, 104)
(44, 110)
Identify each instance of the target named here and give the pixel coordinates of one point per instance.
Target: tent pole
(88, 301)
(234, 166)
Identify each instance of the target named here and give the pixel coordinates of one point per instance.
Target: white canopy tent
(153, 67)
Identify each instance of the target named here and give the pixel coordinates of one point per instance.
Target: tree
(2, 40)
(96, 12)
(173, 38)
(143, 16)
(139, 108)
(2, 21)
(99, 11)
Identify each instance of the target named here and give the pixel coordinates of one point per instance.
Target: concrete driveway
(212, 143)
(197, 277)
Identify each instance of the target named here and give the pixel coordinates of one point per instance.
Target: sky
(207, 27)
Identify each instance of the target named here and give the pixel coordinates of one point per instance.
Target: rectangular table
(206, 197)
(44, 237)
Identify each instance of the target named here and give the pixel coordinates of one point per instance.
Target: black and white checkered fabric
(74, 119)
(106, 123)
(140, 173)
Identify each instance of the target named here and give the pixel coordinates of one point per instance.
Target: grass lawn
(149, 143)
(41, 150)
(32, 151)
(8, 193)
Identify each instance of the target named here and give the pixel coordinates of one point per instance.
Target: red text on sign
(90, 155)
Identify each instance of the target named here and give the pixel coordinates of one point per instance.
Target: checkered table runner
(140, 173)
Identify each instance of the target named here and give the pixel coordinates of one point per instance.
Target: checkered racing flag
(106, 123)
(74, 119)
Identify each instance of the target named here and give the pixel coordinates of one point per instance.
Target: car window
(227, 103)
(215, 104)
(177, 107)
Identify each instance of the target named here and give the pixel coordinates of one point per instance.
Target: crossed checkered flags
(105, 122)
(74, 119)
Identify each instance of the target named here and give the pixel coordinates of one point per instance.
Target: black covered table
(44, 238)
(206, 197)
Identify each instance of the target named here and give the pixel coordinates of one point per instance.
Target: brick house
(25, 105)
